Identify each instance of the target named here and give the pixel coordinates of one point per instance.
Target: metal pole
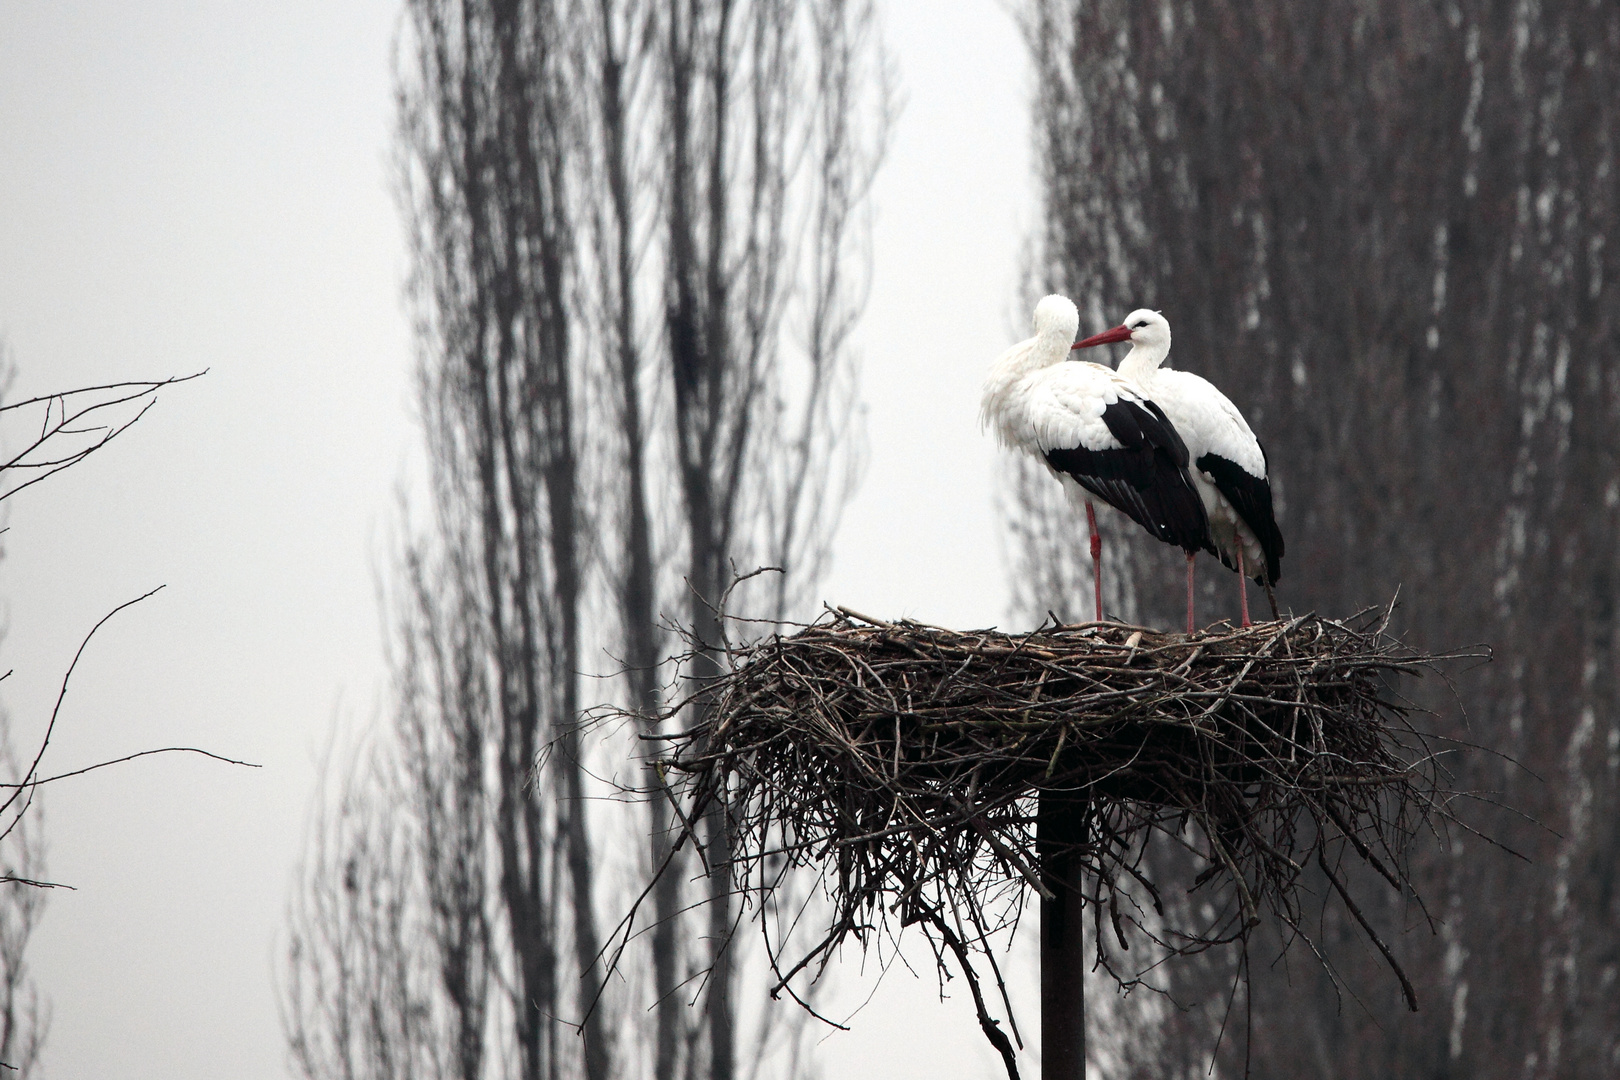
(1059, 829)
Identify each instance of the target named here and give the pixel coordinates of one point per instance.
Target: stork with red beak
(1228, 462)
(1097, 431)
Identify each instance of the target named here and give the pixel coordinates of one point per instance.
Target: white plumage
(1229, 466)
(1096, 430)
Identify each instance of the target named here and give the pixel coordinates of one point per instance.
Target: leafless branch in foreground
(73, 424)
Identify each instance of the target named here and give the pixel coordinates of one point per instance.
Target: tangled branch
(900, 764)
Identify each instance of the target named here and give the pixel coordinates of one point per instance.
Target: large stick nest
(903, 764)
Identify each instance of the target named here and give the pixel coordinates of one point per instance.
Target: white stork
(1228, 462)
(1097, 431)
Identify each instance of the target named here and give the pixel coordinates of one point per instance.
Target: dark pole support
(1059, 830)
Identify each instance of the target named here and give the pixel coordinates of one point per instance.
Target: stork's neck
(1048, 347)
(1142, 361)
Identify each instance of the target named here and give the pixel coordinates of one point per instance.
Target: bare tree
(638, 243)
(357, 1002)
(734, 147)
(1383, 227)
(490, 638)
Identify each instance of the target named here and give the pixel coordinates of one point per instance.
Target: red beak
(1107, 337)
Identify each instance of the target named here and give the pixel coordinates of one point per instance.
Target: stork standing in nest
(1228, 462)
(1099, 432)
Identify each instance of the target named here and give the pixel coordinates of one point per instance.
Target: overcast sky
(205, 185)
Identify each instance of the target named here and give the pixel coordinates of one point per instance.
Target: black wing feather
(1250, 496)
(1145, 478)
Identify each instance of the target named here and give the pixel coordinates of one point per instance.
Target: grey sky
(205, 185)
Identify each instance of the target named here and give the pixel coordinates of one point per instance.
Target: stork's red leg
(1243, 583)
(1191, 555)
(1096, 556)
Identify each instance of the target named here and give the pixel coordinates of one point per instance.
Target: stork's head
(1143, 328)
(1056, 315)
